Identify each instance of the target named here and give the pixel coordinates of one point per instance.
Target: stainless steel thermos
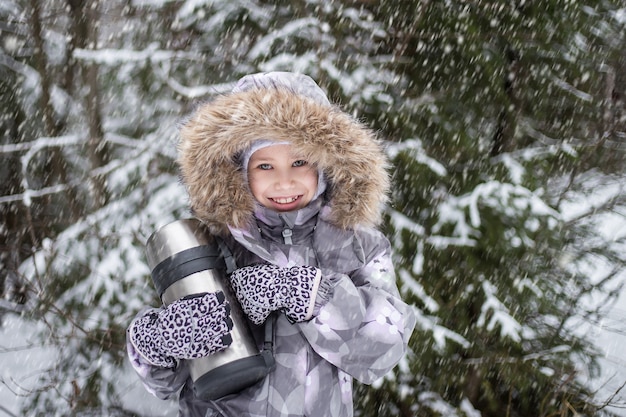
(186, 259)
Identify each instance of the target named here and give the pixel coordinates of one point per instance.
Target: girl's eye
(299, 163)
(264, 167)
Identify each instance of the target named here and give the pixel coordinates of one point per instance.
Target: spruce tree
(485, 133)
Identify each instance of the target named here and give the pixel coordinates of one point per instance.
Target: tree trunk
(85, 35)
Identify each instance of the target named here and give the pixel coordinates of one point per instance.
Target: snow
(515, 169)
(440, 334)
(468, 409)
(299, 26)
(113, 57)
(409, 283)
(498, 315)
(609, 333)
(602, 193)
(620, 15)
(24, 361)
(418, 153)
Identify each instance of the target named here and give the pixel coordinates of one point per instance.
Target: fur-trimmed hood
(217, 133)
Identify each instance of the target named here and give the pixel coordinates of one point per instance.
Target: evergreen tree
(503, 101)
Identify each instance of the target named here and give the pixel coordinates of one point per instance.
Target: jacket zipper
(287, 231)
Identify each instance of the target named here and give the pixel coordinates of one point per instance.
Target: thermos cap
(176, 237)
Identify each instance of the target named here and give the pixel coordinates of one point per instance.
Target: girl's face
(280, 180)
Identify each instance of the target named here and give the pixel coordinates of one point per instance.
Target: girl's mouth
(286, 203)
(285, 200)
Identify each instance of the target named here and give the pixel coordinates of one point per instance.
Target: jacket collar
(288, 228)
(274, 232)
(289, 219)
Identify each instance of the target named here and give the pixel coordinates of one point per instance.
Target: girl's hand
(192, 327)
(264, 288)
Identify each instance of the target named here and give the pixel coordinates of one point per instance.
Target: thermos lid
(180, 249)
(175, 237)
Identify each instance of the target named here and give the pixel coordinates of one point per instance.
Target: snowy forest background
(506, 125)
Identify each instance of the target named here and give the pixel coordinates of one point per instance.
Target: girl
(295, 187)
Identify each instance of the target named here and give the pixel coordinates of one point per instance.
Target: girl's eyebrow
(262, 158)
(271, 158)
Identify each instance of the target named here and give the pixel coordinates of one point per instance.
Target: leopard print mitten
(264, 288)
(192, 327)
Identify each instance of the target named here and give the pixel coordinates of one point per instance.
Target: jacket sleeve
(364, 328)
(160, 382)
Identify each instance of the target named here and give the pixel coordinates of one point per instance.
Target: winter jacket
(360, 327)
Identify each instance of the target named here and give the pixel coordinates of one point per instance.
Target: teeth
(285, 200)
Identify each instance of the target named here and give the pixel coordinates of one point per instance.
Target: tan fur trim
(347, 152)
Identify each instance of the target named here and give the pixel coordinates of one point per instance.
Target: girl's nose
(283, 180)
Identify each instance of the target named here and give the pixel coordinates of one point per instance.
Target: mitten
(192, 327)
(262, 289)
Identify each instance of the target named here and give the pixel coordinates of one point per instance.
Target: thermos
(186, 259)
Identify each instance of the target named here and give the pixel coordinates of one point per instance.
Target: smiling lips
(285, 200)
